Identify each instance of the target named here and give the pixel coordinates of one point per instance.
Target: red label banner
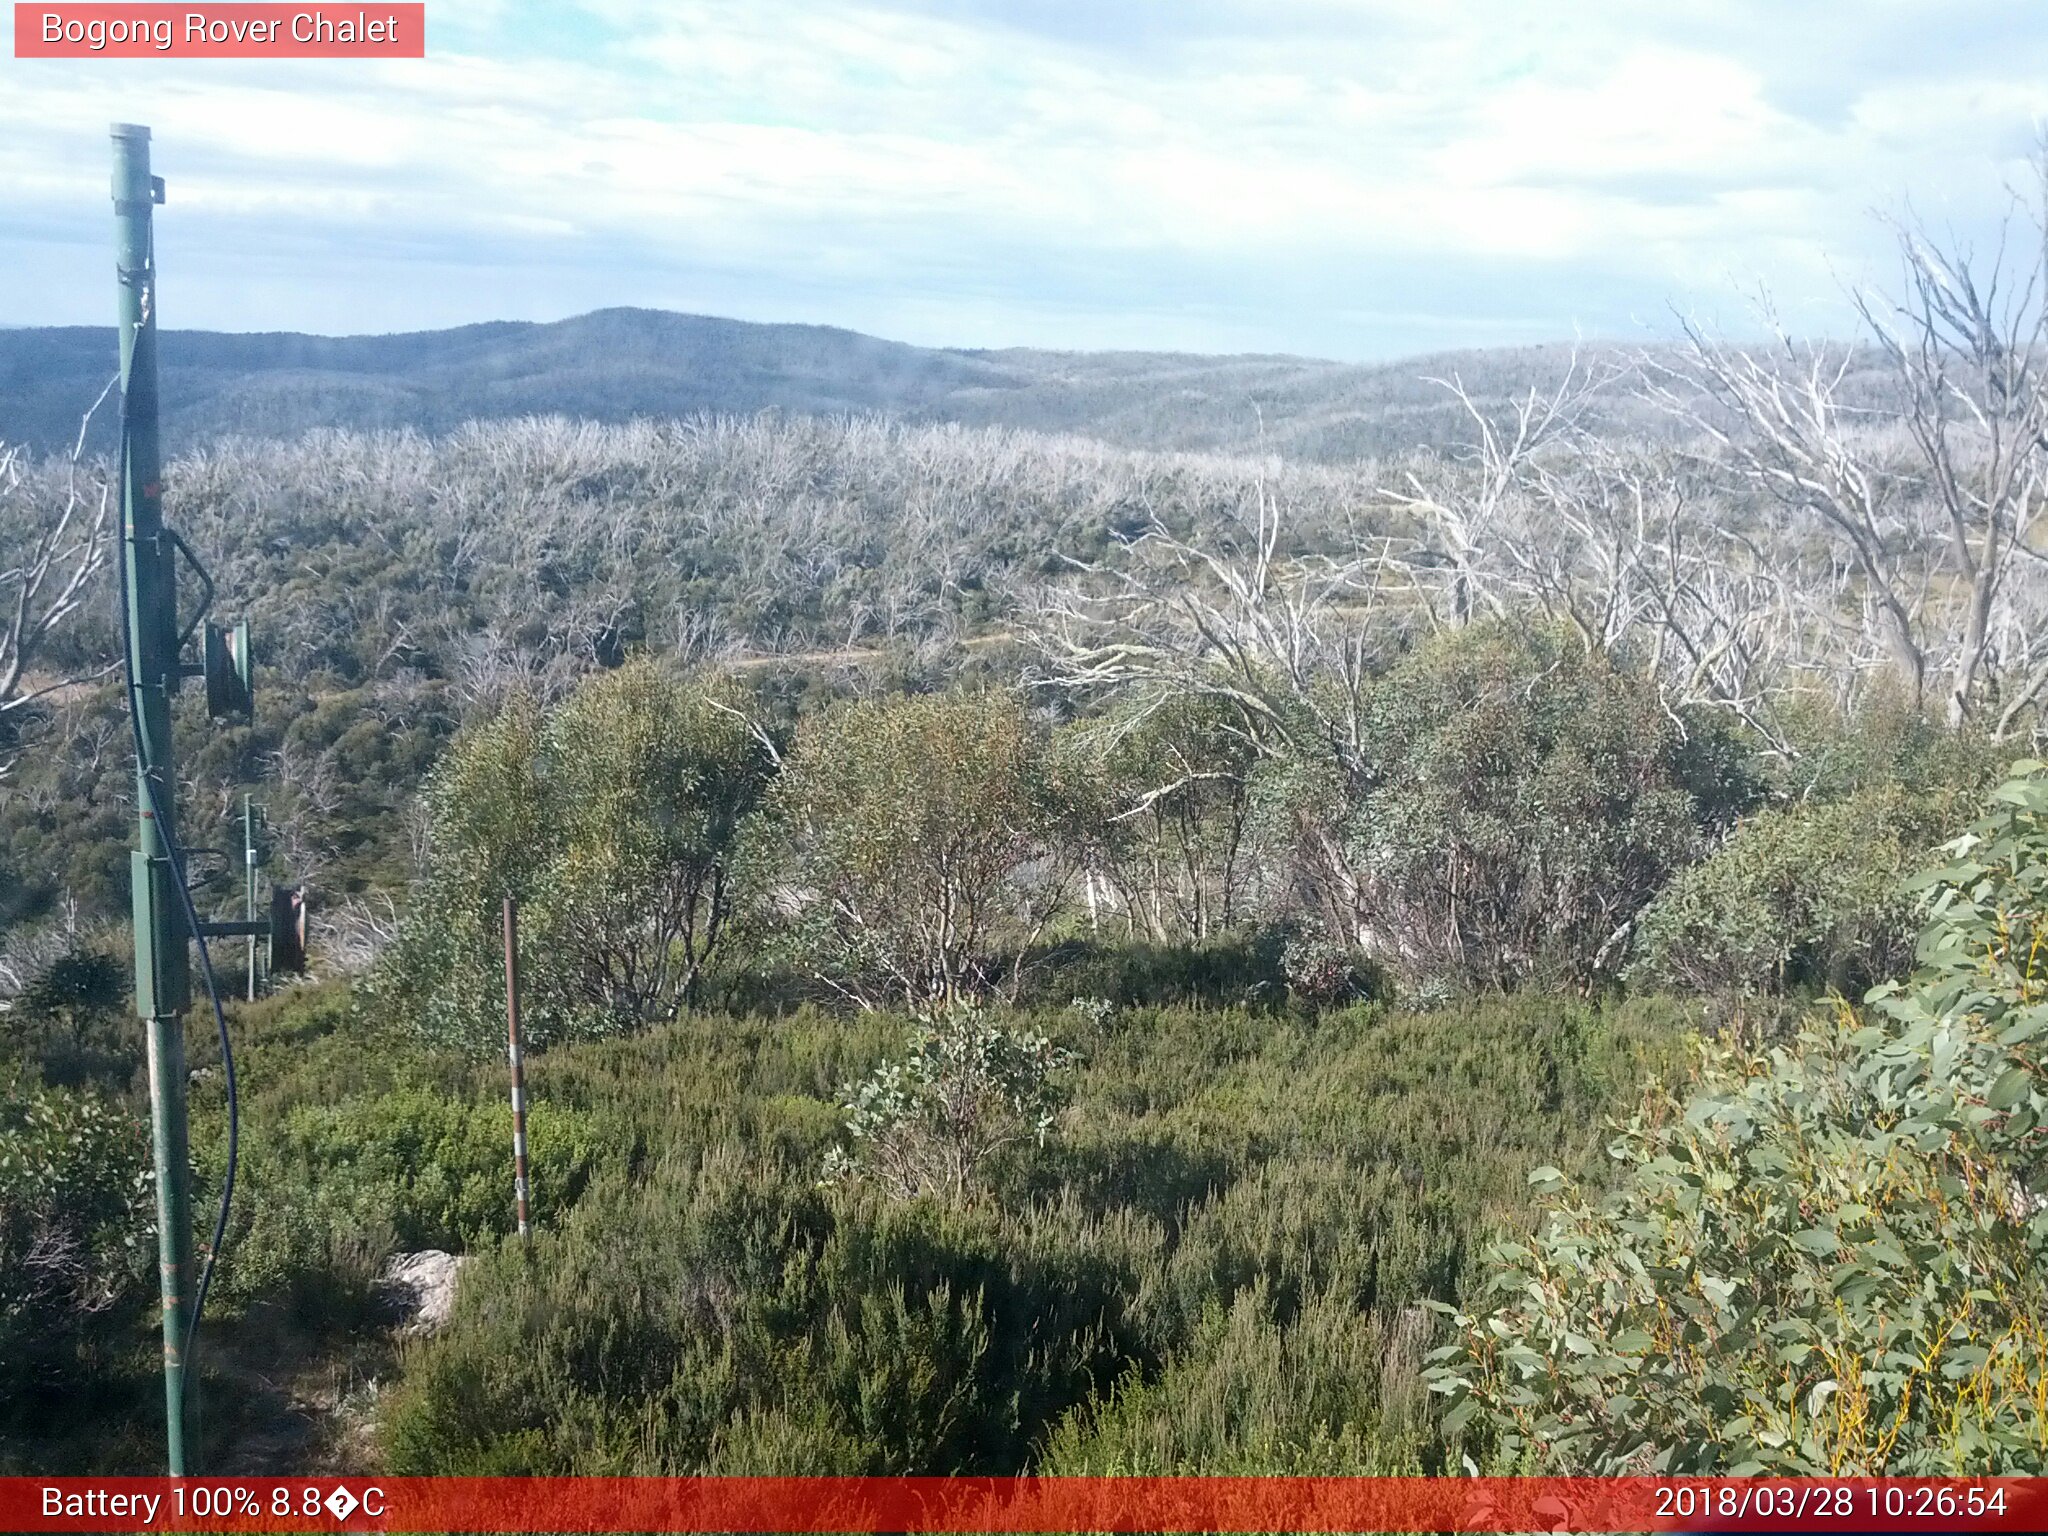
(232, 31)
(963, 1504)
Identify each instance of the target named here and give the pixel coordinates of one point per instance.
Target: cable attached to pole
(146, 777)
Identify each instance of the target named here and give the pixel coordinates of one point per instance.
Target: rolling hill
(618, 364)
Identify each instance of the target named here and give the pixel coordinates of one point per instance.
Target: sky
(1355, 179)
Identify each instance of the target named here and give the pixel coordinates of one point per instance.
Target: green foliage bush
(77, 1238)
(68, 1022)
(1885, 742)
(426, 1170)
(965, 1089)
(648, 780)
(1803, 897)
(614, 819)
(899, 831)
(1324, 972)
(358, 1142)
(1235, 1196)
(736, 1312)
(1829, 1258)
(1525, 799)
(698, 1302)
(1332, 1392)
(1238, 970)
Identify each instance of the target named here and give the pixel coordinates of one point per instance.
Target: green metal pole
(249, 881)
(162, 981)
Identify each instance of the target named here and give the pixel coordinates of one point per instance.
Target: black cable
(167, 835)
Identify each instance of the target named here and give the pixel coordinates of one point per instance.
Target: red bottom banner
(908, 1504)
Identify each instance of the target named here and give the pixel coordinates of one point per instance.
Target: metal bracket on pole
(285, 928)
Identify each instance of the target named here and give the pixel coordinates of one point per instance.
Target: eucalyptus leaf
(2011, 1087)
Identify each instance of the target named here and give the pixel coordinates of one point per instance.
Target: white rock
(423, 1284)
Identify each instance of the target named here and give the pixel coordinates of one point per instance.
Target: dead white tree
(356, 932)
(1236, 615)
(1968, 351)
(1230, 614)
(1471, 520)
(1617, 541)
(1921, 459)
(1780, 422)
(47, 564)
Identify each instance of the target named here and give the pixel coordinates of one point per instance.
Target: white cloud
(921, 157)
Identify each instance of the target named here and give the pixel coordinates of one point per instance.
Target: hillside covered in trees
(622, 365)
(1515, 949)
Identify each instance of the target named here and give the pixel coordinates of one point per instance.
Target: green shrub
(727, 1310)
(1234, 970)
(1828, 1259)
(1301, 1179)
(68, 1022)
(1524, 800)
(1804, 897)
(327, 1191)
(359, 1141)
(77, 1238)
(1886, 743)
(614, 819)
(1361, 1232)
(297, 1261)
(1324, 973)
(695, 1306)
(897, 834)
(1331, 1392)
(965, 1090)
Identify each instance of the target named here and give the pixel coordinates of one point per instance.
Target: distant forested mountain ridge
(621, 364)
